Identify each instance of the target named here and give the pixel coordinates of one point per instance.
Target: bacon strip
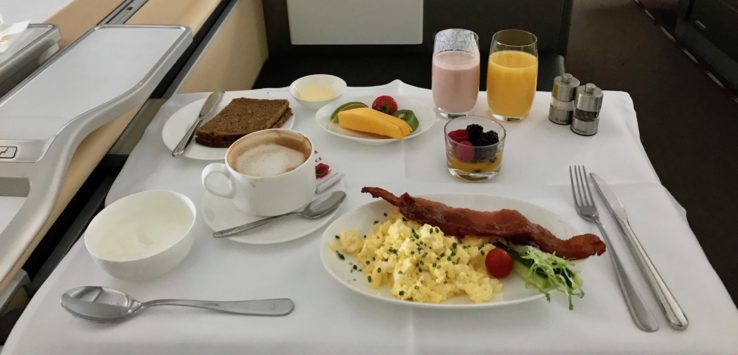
(505, 223)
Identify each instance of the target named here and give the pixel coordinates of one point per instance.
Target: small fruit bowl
(474, 147)
(314, 91)
(143, 235)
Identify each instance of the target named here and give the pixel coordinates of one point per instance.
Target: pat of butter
(315, 93)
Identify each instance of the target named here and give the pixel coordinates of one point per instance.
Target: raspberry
(321, 170)
(464, 151)
(459, 135)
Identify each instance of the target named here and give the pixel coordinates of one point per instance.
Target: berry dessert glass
(474, 147)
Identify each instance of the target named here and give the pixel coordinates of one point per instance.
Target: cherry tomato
(499, 263)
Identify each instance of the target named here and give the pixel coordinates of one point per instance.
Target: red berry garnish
(464, 151)
(385, 104)
(321, 170)
(459, 135)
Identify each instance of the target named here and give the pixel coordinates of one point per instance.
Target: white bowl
(142, 236)
(333, 83)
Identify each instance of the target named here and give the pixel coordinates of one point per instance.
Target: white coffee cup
(262, 177)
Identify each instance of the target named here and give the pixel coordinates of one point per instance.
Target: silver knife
(207, 109)
(674, 313)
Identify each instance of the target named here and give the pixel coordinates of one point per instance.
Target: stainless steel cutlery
(208, 108)
(106, 304)
(586, 208)
(674, 313)
(318, 208)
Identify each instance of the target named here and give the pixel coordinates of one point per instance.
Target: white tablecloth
(332, 319)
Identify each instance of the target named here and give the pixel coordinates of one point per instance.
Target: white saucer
(220, 213)
(176, 126)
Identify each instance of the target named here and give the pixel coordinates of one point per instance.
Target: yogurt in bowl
(142, 236)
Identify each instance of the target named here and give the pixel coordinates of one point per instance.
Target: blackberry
(486, 154)
(474, 131)
(488, 138)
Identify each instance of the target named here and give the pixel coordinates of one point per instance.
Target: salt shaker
(587, 110)
(562, 99)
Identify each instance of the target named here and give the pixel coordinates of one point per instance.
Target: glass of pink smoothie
(455, 82)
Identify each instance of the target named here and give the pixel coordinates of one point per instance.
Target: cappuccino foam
(269, 160)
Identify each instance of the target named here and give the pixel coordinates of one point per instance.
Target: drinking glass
(470, 157)
(512, 74)
(455, 82)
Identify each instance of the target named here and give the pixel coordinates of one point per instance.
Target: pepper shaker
(563, 96)
(587, 110)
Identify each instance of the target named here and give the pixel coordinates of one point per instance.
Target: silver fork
(586, 208)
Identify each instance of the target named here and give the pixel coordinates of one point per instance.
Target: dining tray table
(330, 318)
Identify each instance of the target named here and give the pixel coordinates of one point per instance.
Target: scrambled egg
(420, 262)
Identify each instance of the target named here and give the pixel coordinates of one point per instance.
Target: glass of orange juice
(512, 74)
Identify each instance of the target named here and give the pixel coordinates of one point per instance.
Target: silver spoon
(106, 304)
(317, 208)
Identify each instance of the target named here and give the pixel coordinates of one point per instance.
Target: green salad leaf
(546, 272)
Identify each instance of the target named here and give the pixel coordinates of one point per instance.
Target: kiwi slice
(347, 106)
(409, 117)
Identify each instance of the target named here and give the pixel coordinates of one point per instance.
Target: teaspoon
(314, 210)
(106, 304)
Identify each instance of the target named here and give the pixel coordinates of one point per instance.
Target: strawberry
(321, 170)
(464, 151)
(385, 104)
(459, 135)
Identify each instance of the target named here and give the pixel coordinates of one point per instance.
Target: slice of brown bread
(283, 119)
(241, 117)
(226, 141)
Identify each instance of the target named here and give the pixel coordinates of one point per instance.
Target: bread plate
(177, 125)
(425, 113)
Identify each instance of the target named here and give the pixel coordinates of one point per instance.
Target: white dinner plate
(220, 213)
(176, 126)
(514, 289)
(426, 118)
